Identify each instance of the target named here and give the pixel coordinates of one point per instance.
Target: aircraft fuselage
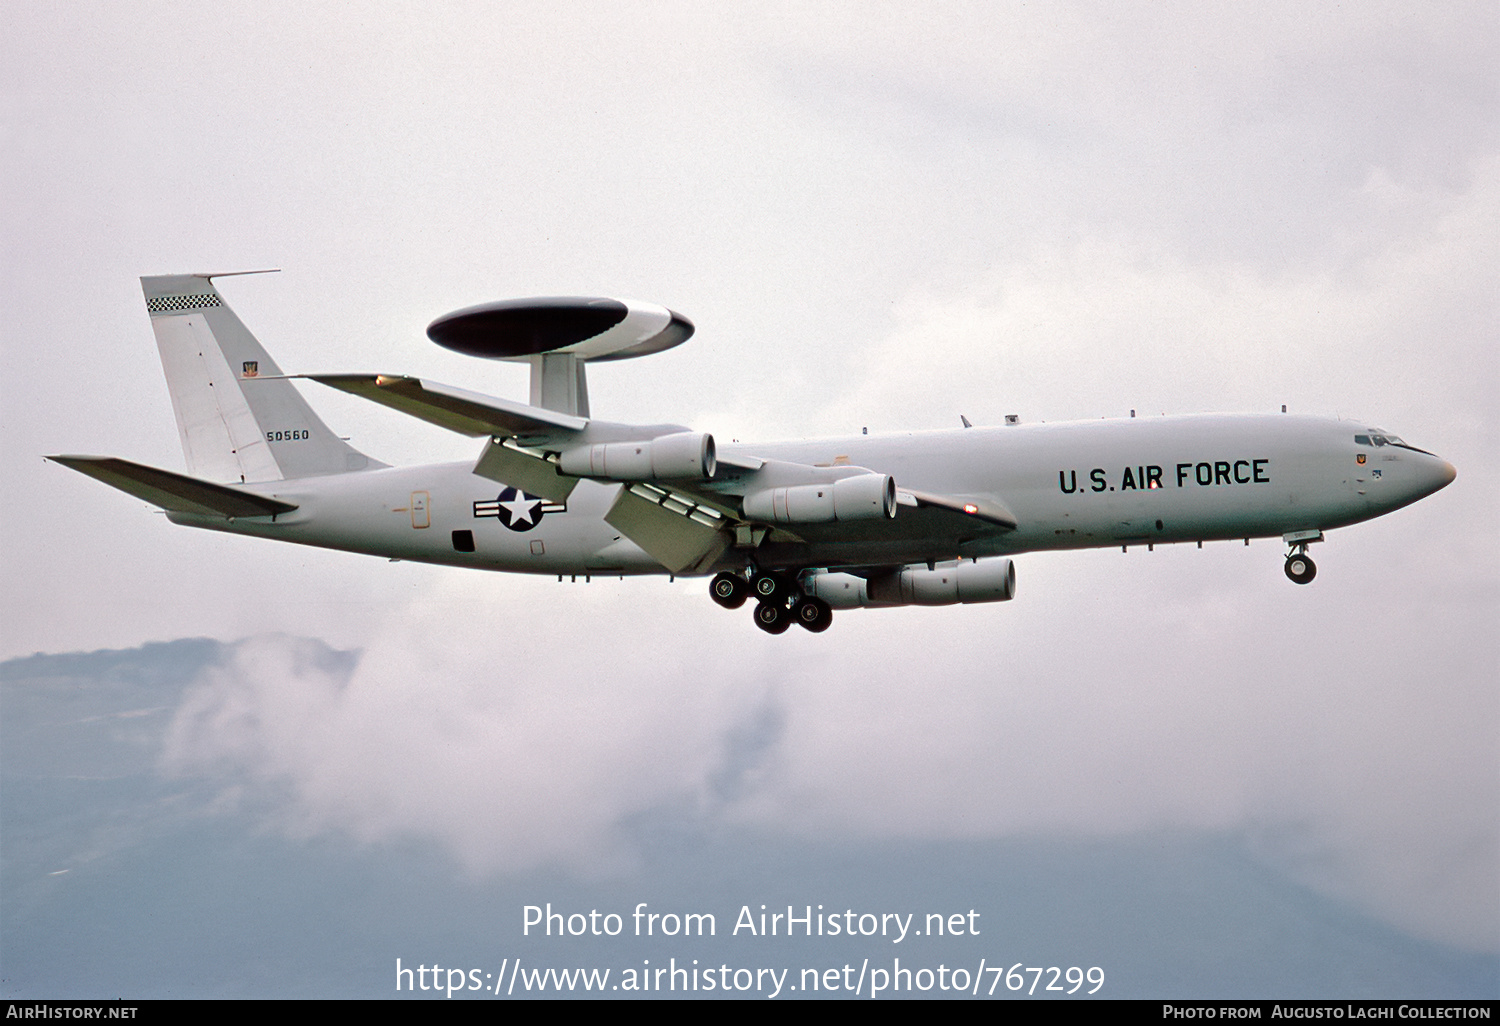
(1081, 484)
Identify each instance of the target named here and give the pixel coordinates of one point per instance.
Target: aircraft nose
(1437, 473)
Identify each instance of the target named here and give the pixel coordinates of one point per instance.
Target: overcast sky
(875, 216)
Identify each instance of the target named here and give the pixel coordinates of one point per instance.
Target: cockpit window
(1377, 437)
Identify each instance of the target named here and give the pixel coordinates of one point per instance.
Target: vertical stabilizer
(235, 424)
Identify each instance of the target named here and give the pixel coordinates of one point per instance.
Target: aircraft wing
(175, 492)
(975, 507)
(686, 526)
(679, 530)
(468, 413)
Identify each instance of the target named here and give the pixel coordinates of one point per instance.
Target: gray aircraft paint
(1312, 482)
(1066, 486)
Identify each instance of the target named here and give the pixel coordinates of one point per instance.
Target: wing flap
(507, 463)
(681, 534)
(175, 492)
(468, 413)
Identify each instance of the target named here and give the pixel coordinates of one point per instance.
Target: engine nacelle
(688, 454)
(840, 591)
(994, 580)
(858, 497)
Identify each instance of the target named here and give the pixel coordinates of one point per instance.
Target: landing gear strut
(1299, 565)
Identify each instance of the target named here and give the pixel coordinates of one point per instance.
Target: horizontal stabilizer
(175, 492)
(468, 413)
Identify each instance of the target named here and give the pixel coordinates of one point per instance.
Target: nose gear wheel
(1300, 568)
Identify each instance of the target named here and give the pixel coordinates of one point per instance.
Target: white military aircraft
(925, 518)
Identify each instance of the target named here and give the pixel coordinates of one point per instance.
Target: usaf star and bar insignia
(516, 509)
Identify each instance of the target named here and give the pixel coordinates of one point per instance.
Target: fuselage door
(419, 514)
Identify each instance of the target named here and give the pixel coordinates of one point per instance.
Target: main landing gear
(779, 601)
(729, 590)
(1299, 565)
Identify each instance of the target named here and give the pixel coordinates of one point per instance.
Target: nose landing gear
(1300, 568)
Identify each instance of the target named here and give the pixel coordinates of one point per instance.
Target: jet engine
(858, 497)
(993, 580)
(688, 454)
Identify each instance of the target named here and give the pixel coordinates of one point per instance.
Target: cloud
(1187, 701)
(1062, 331)
(1353, 758)
(496, 734)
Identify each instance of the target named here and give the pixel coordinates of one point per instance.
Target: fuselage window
(1361, 439)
